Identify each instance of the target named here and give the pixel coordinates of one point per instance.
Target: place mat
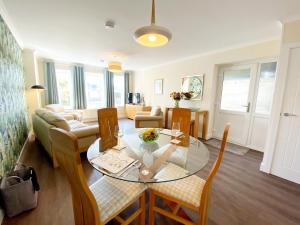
(169, 133)
(113, 161)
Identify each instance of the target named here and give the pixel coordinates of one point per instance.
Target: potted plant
(177, 96)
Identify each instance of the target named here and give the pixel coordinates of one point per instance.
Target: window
(65, 87)
(95, 94)
(265, 88)
(235, 90)
(119, 89)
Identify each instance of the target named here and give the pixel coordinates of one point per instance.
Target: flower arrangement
(149, 135)
(177, 96)
(188, 95)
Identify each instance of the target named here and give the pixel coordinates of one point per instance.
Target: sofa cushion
(53, 118)
(66, 116)
(155, 111)
(92, 130)
(75, 124)
(55, 108)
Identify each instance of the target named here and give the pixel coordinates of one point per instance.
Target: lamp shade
(115, 67)
(37, 87)
(152, 36)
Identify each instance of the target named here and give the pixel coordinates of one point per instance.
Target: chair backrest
(108, 120)
(65, 146)
(183, 116)
(205, 195)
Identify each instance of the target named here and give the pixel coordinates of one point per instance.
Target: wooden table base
(195, 134)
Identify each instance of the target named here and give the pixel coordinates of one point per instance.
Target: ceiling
(73, 30)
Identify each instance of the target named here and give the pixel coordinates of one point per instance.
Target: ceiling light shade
(115, 67)
(153, 35)
(37, 87)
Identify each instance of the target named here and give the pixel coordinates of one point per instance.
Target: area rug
(236, 149)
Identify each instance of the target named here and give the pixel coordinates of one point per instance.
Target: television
(130, 98)
(138, 98)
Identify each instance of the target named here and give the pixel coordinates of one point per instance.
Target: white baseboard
(209, 136)
(263, 168)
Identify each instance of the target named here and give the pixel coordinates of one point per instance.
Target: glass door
(263, 98)
(244, 99)
(235, 90)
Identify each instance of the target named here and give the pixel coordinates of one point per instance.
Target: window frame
(70, 87)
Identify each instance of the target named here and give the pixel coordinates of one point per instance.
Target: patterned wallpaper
(13, 113)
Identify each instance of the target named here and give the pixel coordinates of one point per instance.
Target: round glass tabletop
(161, 161)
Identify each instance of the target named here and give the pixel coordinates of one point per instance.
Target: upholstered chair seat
(187, 190)
(113, 195)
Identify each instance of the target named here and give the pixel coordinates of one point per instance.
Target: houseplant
(177, 96)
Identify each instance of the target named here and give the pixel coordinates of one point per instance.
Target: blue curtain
(51, 93)
(79, 87)
(126, 83)
(109, 86)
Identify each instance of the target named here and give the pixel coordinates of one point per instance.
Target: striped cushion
(113, 195)
(187, 190)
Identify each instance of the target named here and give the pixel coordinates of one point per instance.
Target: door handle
(248, 106)
(287, 114)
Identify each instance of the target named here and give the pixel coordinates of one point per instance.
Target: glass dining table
(160, 161)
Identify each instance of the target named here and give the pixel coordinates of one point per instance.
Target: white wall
(31, 78)
(207, 64)
(290, 35)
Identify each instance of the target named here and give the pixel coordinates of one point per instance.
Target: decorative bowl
(149, 135)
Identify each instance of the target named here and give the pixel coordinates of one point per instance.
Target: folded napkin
(169, 133)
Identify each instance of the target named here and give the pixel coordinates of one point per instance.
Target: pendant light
(153, 35)
(115, 67)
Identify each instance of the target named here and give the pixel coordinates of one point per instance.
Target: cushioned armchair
(153, 119)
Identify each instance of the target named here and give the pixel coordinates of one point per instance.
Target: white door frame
(253, 108)
(280, 85)
(255, 66)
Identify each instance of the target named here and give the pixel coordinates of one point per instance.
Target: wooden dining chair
(191, 192)
(183, 116)
(102, 201)
(108, 120)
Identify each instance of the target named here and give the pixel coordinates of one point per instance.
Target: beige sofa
(66, 113)
(153, 119)
(43, 120)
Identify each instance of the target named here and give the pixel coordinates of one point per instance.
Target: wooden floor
(241, 194)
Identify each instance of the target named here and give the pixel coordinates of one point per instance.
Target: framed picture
(193, 84)
(158, 86)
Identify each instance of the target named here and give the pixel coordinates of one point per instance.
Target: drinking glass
(175, 129)
(118, 133)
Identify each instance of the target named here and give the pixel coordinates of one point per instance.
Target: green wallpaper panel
(13, 113)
